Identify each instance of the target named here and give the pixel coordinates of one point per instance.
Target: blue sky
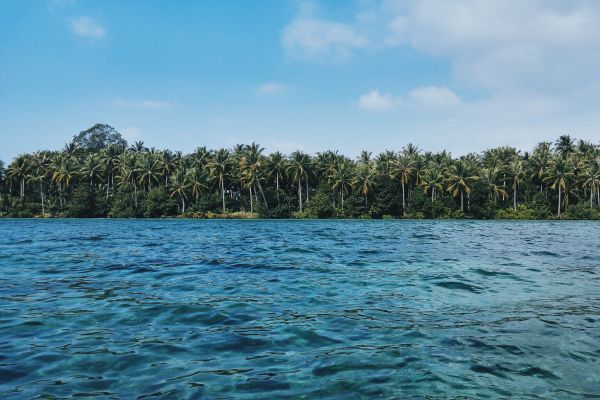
(313, 75)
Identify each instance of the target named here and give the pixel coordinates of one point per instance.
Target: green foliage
(581, 211)
(98, 176)
(320, 205)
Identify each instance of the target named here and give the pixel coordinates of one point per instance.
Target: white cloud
(433, 96)
(424, 98)
(312, 38)
(272, 88)
(87, 27)
(376, 101)
(143, 104)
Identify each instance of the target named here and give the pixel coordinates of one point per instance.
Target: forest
(98, 174)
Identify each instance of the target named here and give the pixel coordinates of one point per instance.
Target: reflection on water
(299, 309)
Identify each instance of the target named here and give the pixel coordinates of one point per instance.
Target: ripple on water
(298, 309)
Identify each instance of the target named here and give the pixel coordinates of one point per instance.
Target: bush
(581, 211)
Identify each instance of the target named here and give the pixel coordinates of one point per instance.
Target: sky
(344, 75)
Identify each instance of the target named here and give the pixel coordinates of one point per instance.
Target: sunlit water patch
(299, 309)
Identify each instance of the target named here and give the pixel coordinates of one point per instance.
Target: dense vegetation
(98, 175)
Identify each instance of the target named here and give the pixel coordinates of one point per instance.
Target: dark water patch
(538, 373)
(454, 285)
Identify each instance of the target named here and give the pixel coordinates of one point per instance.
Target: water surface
(299, 309)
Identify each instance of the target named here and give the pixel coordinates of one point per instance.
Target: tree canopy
(97, 175)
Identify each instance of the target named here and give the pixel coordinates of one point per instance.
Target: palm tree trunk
(515, 198)
(342, 197)
(403, 200)
(559, 196)
(300, 195)
(251, 206)
(591, 197)
(277, 183)
(462, 201)
(223, 192)
(182, 205)
(262, 194)
(42, 197)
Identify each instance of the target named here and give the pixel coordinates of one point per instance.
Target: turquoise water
(299, 309)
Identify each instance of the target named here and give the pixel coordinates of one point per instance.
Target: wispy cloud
(376, 101)
(87, 27)
(424, 97)
(131, 133)
(143, 104)
(317, 39)
(272, 88)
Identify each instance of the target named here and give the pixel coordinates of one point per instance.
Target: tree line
(98, 174)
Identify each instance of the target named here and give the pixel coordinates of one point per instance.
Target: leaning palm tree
(461, 176)
(558, 177)
(402, 169)
(219, 167)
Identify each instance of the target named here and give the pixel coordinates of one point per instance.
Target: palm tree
(403, 169)
(276, 165)
(558, 177)
(539, 162)
(91, 169)
(591, 180)
(461, 177)
(298, 171)
(490, 177)
(179, 187)
(516, 174)
(219, 166)
(109, 157)
(432, 180)
(364, 180)
(564, 146)
(167, 163)
(149, 171)
(18, 170)
(198, 181)
(342, 178)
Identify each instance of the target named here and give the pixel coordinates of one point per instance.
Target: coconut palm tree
(198, 181)
(558, 178)
(18, 170)
(149, 168)
(432, 180)
(564, 146)
(276, 166)
(591, 180)
(516, 174)
(402, 169)
(364, 179)
(539, 160)
(109, 157)
(179, 187)
(461, 176)
(91, 169)
(490, 178)
(297, 169)
(219, 167)
(341, 178)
